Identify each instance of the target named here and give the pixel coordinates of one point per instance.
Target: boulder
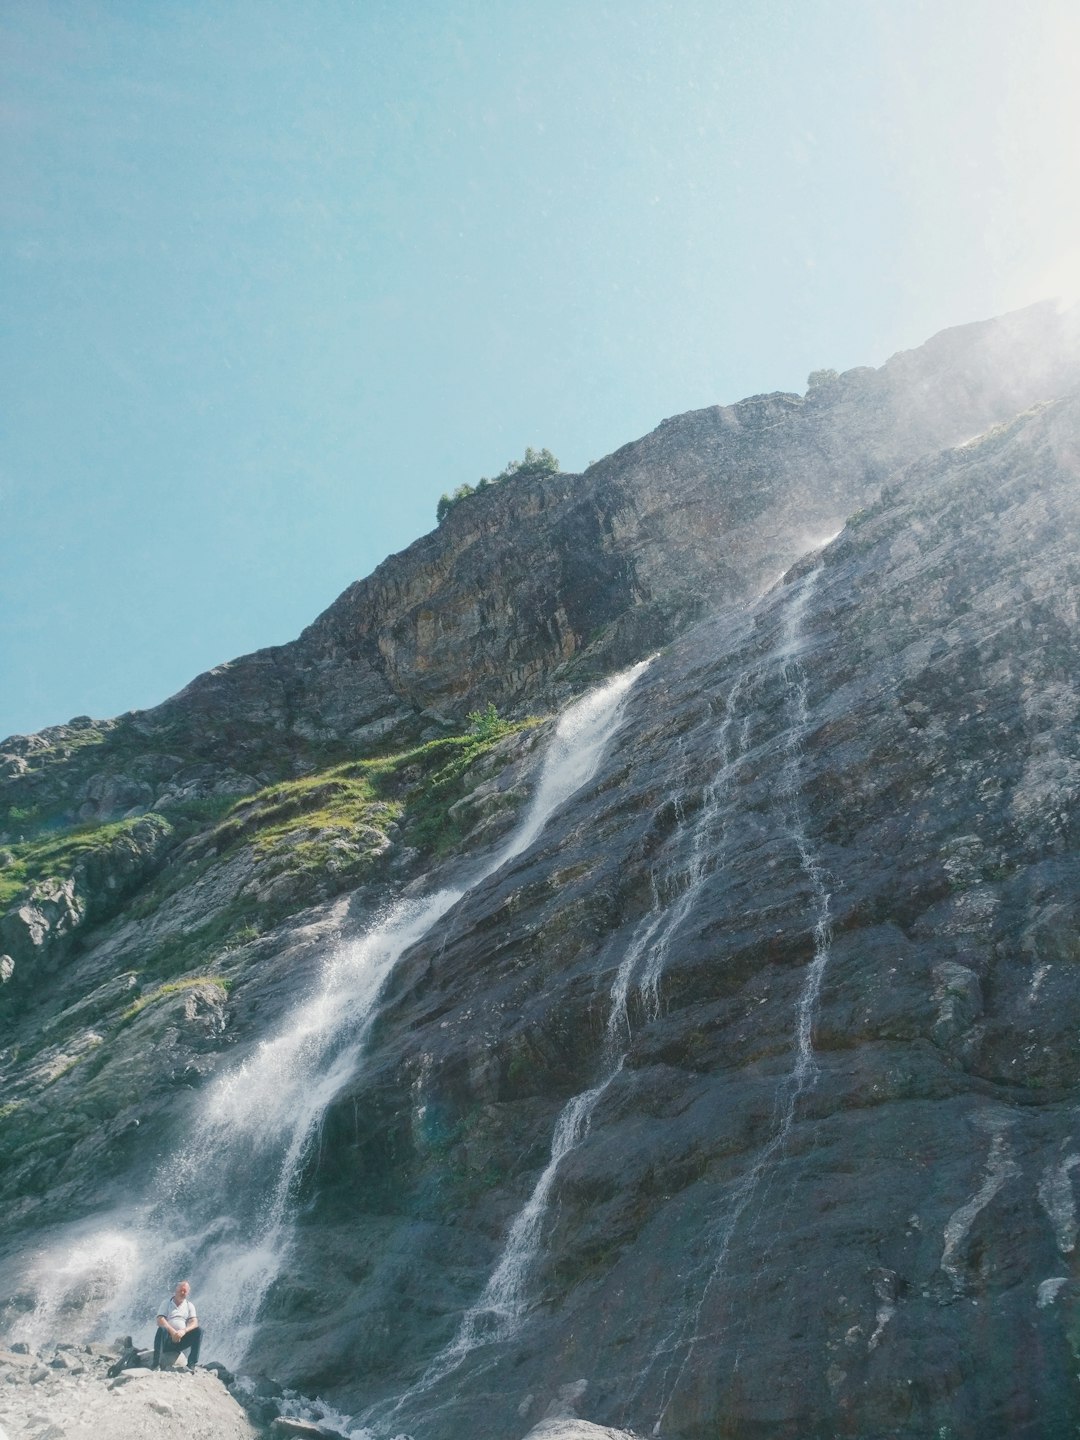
(289, 1425)
(32, 932)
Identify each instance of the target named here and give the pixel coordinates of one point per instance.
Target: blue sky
(275, 275)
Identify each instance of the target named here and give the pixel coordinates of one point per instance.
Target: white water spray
(794, 676)
(221, 1205)
(705, 854)
(86, 1275)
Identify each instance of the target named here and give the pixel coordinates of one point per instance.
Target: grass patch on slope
(311, 837)
(305, 823)
(54, 858)
(444, 766)
(334, 801)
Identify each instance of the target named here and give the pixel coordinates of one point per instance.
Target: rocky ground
(564, 1429)
(68, 1393)
(75, 1392)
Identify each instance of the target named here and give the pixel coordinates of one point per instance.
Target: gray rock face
(741, 1101)
(39, 933)
(53, 912)
(829, 1189)
(523, 578)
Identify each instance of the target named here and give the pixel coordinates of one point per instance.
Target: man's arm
(163, 1323)
(192, 1322)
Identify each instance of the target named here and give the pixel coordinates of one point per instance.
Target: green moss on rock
(56, 857)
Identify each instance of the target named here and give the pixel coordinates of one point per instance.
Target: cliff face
(703, 1062)
(529, 590)
(826, 1181)
(523, 579)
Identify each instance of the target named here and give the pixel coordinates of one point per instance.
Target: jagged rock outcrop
(738, 1098)
(524, 577)
(38, 933)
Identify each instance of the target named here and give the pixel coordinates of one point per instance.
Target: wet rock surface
(875, 763)
(103, 1056)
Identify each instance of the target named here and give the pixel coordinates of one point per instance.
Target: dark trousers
(163, 1345)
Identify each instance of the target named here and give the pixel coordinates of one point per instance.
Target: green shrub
(447, 502)
(821, 377)
(487, 724)
(533, 463)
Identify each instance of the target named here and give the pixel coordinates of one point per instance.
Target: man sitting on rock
(178, 1328)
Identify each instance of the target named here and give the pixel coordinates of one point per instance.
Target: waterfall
(503, 1304)
(685, 1336)
(794, 678)
(498, 1312)
(704, 857)
(220, 1205)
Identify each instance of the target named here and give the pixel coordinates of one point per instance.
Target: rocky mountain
(700, 1060)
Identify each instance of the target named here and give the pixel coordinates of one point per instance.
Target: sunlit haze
(277, 275)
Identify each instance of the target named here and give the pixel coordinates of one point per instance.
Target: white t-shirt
(178, 1314)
